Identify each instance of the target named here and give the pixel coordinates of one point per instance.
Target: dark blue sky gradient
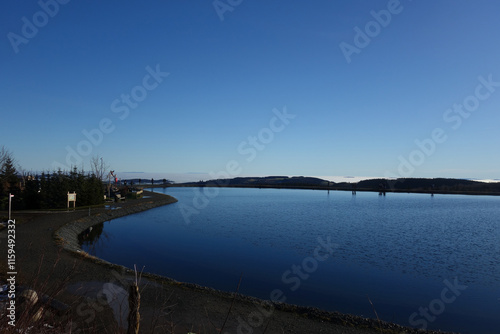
(226, 77)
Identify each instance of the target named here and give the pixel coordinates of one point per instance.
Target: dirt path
(97, 291)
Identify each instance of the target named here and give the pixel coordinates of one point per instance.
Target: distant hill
(437, 185)
(268, 181)
(442, 185)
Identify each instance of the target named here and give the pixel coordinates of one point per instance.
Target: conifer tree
(9, 183)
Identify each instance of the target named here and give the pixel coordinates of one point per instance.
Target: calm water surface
(401, 250)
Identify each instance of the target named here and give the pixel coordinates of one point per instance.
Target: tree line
(48, 190)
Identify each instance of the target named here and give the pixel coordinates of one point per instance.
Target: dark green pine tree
(32, 193)
(95, 190)
(10, 184)
(60, 188)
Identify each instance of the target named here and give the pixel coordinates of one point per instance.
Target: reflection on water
(112, 207)
(90, 235)
(397, 250)
(93, 238)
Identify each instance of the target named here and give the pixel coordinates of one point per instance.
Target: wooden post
(10, 204)
(134, 301)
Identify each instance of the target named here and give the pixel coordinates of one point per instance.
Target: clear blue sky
(227, 76)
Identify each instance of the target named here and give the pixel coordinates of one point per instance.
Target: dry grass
(36, 315)
(41, 318)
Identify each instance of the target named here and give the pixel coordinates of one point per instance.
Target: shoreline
(297, 317)
(68, 234)
(395, 191)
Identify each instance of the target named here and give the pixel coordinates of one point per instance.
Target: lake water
(421, 260)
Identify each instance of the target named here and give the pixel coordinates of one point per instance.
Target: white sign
(72, 198)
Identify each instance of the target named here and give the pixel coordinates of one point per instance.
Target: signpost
(72, 198)
(10, 203)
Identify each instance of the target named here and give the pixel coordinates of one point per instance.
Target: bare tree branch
(99, 167)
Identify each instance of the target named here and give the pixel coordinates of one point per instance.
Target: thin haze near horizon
(235, 87)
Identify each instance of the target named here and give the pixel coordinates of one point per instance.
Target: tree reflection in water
(92, 237)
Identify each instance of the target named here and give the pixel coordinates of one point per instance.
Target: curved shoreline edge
(68, 236)
(68, 233)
